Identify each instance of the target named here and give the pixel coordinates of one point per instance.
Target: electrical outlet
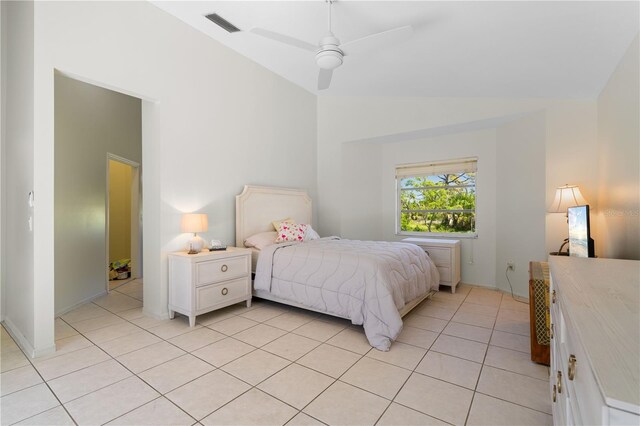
(511, 266)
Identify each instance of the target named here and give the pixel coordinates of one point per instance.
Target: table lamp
(566, 196)
(194, 222)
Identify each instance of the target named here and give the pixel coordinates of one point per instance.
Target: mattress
(365, 281)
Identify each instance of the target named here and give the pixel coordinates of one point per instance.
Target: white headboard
(258, 206)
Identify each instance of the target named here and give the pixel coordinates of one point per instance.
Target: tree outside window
(440, 203)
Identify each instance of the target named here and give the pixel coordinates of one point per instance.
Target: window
(437, 198)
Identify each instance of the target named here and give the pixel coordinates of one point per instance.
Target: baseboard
(156, 315)
(82, 302)
(22, 341)
(501, 290)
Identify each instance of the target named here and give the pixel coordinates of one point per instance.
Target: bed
(370, 283)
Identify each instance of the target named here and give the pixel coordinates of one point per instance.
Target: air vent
(222, 23)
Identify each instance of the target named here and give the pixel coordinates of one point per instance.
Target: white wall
(362, 191)
(90, 123)
(511, 201)
(571, 157)
(477, 254)
(558, 137)
(212, 122)
(520, 199)
(18, 265)
(3, 109)
(618, 214)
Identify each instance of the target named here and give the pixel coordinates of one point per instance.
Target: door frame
(136, 217)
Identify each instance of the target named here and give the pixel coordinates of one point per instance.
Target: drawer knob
(224, 291)
(559, 381)
(572, 367)
(553, 296)
(553, 394)
(224, 268)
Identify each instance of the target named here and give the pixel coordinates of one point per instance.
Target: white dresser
(595, 345)
(203, 282)
(445, 254)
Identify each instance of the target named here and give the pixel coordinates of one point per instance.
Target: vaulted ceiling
(457, 49)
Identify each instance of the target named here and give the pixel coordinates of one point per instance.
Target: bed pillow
(276, 223)
(311, 234)
(291, 231)
(261, 240)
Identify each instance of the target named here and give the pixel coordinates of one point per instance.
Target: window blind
(466, 165)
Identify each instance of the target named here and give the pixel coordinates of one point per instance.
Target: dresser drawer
(445, 274)
(584, 387)
(219, 270)
(440, 256)
(211, 295)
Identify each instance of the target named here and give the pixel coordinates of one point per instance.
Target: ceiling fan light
(329, 59)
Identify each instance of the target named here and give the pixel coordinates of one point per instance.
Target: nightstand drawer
(218, 270)
(440, 256)
(212, 295)
(446, 256)
(445, 274)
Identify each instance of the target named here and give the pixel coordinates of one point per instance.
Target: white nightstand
(445, 254)
(204, 282)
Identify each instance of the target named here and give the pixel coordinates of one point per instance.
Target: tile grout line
(513, 403)
(484, 358)
(393, 400)
(104, 387)
(264, 380)
(513, 372)
(238, 378)
(422, 359)
(133, 374)
(334, 380)
(485, 352)
(48, 387)
(445, 327)
(155, 399)
(46, 383)
(256, 385)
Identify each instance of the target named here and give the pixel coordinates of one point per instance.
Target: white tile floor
(461, 359)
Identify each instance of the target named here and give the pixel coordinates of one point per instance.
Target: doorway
(123, 228)
(90, 122)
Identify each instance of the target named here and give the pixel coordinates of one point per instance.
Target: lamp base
(195, 245)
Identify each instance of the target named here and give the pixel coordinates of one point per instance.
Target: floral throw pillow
(276, 223)
(291, 231)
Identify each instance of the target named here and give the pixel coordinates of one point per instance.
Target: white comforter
(366, 281)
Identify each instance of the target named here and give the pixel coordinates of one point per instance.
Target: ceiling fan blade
(324, 78)
(377, 41)
(284, 39)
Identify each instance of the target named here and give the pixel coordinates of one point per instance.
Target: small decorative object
(216, 245)
(194, 222)
(120, 269)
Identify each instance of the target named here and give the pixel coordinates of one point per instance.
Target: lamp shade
(566, 196)
(194, 222)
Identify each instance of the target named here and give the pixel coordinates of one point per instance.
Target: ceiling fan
(330, 52)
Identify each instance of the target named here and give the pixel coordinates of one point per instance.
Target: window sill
(437, 235)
